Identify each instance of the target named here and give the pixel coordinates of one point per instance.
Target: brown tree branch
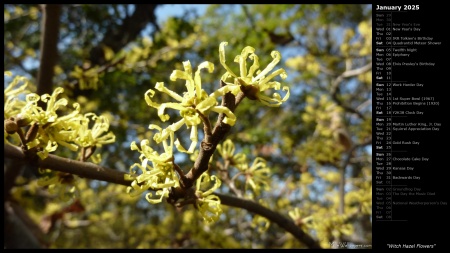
(83, 169)
(48, 47)
(20, 233)
(93, 171)
(218, 134)
(274, 217)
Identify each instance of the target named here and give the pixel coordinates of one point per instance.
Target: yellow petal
(222, 58)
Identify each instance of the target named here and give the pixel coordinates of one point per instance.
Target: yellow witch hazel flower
(12, 104)
(95, 137)
(53, 130)
(207, 203)
(300, 218)
(194, 105)
(257, 176)
(38, 115)
(227, 149)
(63, 185)
(253, 82)
(160, 177)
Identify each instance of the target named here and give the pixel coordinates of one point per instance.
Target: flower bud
(11, 127)
(22, 120)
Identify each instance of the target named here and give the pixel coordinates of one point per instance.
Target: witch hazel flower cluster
(158, 172)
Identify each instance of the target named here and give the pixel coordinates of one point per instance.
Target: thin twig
(335, 87)
(343, 169)
(206, 126)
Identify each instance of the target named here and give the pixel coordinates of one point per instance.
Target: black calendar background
(416, 224)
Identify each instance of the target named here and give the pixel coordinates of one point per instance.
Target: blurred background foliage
(317, 144)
